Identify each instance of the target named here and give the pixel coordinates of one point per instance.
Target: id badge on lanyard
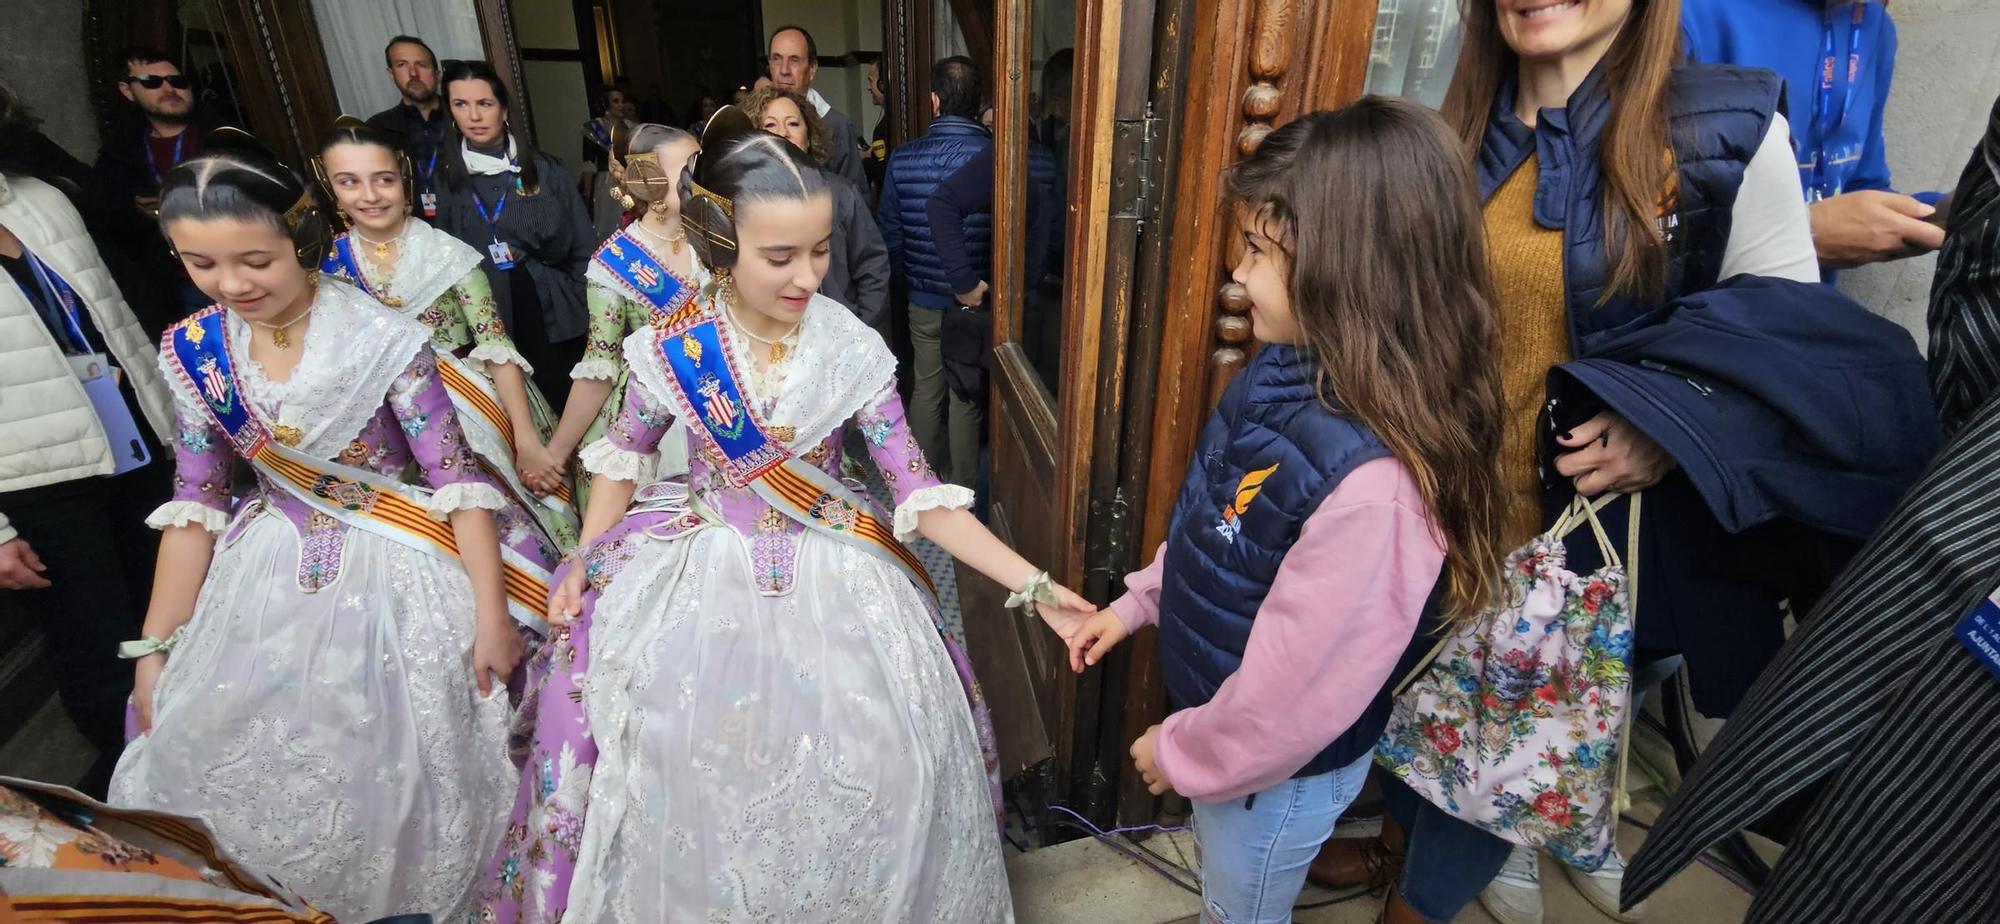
(1979, 632)
(1828, 117)
(99, 377)
(428, 198)
(501, 254)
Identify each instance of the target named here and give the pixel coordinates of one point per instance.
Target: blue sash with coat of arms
(642, 277)
(690, 341)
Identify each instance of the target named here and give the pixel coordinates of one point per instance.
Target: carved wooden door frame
(1250, 65)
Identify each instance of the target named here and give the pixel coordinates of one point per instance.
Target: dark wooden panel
(503, 51)
(1251, 65)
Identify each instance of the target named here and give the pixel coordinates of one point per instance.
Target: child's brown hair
(1376, 210)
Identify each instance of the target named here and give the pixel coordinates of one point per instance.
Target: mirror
(1051, 59)
(1414, 50)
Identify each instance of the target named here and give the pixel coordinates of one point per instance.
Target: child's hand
(1142, 757)
(566, 598)
(1067, 614)
(1089, 643)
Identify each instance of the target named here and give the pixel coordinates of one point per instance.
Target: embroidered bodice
(436, 280)
(840, 375)
(365, 394)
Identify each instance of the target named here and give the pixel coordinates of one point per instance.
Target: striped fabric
(1874, 695)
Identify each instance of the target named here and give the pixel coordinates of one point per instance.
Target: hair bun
(709, 219)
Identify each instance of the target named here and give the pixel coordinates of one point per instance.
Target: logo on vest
(1246, 491)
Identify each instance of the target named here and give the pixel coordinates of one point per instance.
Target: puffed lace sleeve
(631, 443)
(204, 463)
(894, 448)
(423, 409)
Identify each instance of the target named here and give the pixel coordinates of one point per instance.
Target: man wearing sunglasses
(138, 150)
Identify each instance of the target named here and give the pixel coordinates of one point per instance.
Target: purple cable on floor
(1135, 829)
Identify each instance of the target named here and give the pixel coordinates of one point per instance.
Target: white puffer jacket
(48, 431)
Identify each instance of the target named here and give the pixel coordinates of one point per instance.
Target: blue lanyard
(62, 298)
(492, 219)
(153, 164)
(1827, 120)
(430, 167)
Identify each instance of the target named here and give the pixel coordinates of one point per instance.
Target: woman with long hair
(322, 677)
(858, 276)
(519, 207)
(1345, 481)
(1616, 180)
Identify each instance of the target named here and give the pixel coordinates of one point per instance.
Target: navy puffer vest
(916, 169)
(1718, 115)
(1268, 456)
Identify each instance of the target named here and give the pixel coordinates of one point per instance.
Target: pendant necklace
(674, 242)
(382, 247)
(279, 337)
(780, 346)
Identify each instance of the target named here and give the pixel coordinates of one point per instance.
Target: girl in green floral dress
(418, 270)
(645, 271)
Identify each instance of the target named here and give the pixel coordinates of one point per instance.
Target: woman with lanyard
(518, 206)
(1624, 192)
(88, 414)
(1837, 60)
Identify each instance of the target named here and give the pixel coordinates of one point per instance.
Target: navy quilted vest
(1267, 457)
(917, 168)
(1718, 115)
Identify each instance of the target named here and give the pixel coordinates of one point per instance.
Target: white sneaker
(1601, 888)
(1515, 896)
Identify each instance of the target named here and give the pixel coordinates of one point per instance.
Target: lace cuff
(595, 369)
(605, 458)
(465, 495)
(949, 496)
(500, 353)
(188, 513)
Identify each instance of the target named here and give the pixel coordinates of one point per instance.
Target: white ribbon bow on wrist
(140, 648)
(1040, 589)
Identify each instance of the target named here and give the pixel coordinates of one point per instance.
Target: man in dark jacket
(419, 118)
(794, 65)
(914, 173)
(139, 148)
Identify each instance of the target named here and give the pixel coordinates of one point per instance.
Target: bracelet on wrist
(1040, 588)
(150, 645)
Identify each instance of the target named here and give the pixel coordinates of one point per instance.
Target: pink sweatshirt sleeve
(1343, 608)
(1140, 607)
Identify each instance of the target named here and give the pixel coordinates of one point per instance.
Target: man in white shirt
(794, 64)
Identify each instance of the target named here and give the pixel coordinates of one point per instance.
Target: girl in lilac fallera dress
(747, 712)
(322, 677)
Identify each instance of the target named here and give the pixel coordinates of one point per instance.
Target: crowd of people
(455, 533)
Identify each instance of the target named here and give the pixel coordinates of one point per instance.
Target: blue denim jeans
(1254, 851)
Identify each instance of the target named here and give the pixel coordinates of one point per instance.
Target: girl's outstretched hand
(1067, 614)
(1094, 638)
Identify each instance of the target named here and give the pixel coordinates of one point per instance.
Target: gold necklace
(674, 242)
(780, 347)
(279, 337)
(382, 247)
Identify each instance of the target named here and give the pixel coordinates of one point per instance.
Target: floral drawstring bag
(1518, 722)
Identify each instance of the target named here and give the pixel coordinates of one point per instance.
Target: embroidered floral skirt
(805, 757)
(333, 740)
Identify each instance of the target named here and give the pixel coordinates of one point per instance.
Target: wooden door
(1240, 69)
(1070, 154)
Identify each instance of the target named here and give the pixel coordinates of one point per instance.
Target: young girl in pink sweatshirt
(1342, 494)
